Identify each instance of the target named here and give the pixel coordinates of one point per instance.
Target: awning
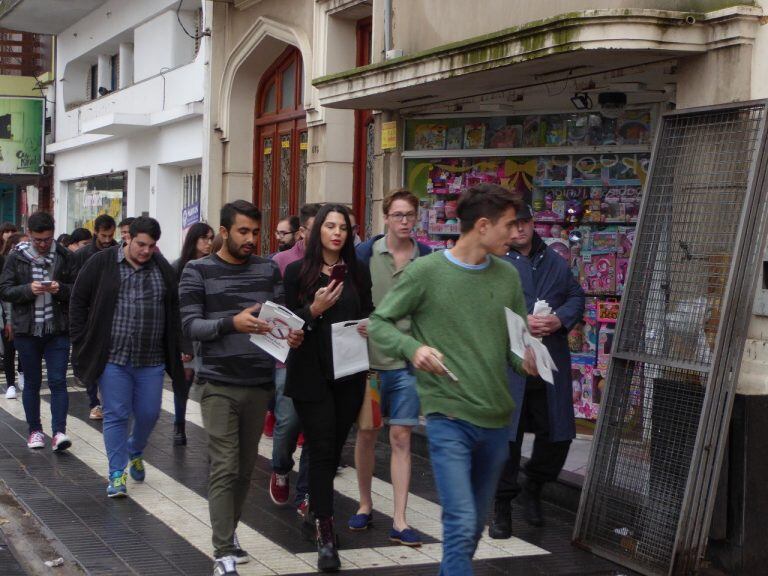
(44, 16)
(572, 45)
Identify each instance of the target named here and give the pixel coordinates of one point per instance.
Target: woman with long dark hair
(6, 229)
(197, 244)
(9, 355)
(326, 407)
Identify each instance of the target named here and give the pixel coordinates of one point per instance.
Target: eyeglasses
(283, 234)
(206, 238)
(43, 240)
(403, 216)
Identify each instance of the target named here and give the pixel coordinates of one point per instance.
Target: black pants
(9, 358)
(326, 425)
(181, 396)
(547, 458)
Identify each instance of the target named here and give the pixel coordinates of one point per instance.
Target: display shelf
(538, 151)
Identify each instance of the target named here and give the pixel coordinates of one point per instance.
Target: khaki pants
(233, 417)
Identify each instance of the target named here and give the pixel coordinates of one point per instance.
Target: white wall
(153, 161)
(161, 44)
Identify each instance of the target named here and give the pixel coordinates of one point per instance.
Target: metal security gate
(648, 498)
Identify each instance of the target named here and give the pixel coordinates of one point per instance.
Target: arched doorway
(280, 146)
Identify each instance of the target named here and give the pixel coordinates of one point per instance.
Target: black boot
(179, 435)
(327, 554)
(501, 523)
(532, 511)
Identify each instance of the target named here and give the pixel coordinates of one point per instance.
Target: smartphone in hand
(339, 272)
(46, 283)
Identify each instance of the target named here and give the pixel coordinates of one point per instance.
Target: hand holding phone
(46, 283)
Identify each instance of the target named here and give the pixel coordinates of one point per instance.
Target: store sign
(388, 135)
(21, 135)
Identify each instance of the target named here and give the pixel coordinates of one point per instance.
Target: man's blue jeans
(287, 429)
(129, 391)
(55, 350)
(467, 461)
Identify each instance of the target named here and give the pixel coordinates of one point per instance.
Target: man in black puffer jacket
(37, 279)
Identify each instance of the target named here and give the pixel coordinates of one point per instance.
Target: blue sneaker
(359, 522)
(137, 468)
(407, 537)
(116, 487)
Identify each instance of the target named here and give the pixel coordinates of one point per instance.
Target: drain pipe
(389, 52)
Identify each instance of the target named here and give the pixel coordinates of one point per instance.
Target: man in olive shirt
(387, 256)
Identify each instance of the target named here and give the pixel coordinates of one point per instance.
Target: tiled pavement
(163, 528)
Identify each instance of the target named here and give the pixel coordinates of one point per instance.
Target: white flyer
(350, 349)
(520, 339)
(282, 321)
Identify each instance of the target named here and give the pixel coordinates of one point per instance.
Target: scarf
(42, 269)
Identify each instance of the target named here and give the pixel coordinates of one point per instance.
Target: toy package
(622, 266)
(608, 311)
(532, 136)
(626, 238)
(454, 138)
(506, 136)
(634, 127)
(429, 137)
(554, 131)
(582, 382)
(474, 135)
(599, 274)
(604, 343)
(604, 242)
(576, 128)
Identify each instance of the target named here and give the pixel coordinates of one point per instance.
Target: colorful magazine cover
(474, 135)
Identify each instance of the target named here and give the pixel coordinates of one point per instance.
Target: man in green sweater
(460, 346)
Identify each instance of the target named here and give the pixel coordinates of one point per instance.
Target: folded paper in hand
(520, 339)
(542, 308)
(350, 349)
(282, 321)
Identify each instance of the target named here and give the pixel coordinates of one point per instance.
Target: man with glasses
(386, 257)
(37, 279)
(286, 233)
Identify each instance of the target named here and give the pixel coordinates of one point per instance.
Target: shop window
(90, 197)
(281, 140)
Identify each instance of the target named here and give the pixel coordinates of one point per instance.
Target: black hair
(40, 222)
(103, 222)
(230, 211)
(145, 225)
(312, 264)
(64, 239)
(80, 234)
(293, 222)
(306, 212)
(8, 227)
(485, 201)
(126, 221)
(189, 249)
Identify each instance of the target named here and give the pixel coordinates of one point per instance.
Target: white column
(105, 71)
(126, 65)
(165, 206)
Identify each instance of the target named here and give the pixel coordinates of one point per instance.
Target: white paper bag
(520, 339)
(282, 320)
(350, 350)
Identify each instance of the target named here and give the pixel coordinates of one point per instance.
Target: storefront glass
(583, 175)
(93, 196)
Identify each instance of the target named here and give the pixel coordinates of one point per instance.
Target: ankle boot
(327, 554)
(501, 523)
(532, 510)
(179, 434)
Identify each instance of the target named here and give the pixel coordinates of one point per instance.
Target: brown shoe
(96, 413)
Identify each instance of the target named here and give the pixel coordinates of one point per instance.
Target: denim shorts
(399, 400)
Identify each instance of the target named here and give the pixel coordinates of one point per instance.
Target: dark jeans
(180, 397)
(326, 425)
(287, 430)
(93, 394)
(9, 358)
(547, 458)
(55, 350)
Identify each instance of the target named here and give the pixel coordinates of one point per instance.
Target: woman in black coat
(326, 407)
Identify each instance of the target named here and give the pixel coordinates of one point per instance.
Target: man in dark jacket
(125, 333)
(37, 279)
(103, 238)
(221, 295)
(541, 408)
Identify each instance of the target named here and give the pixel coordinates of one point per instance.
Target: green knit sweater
(460, 312)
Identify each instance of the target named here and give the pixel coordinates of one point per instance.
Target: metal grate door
(648, 497)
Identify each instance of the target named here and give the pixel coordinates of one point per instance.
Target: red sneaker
(279, 488)
(302, 508)
(300, 439)
(269, 424)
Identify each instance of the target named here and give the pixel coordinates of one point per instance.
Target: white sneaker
(241, 556)
(225, 566)
(36, 440)
(10, 393)
(60, 442)
(20, 380)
